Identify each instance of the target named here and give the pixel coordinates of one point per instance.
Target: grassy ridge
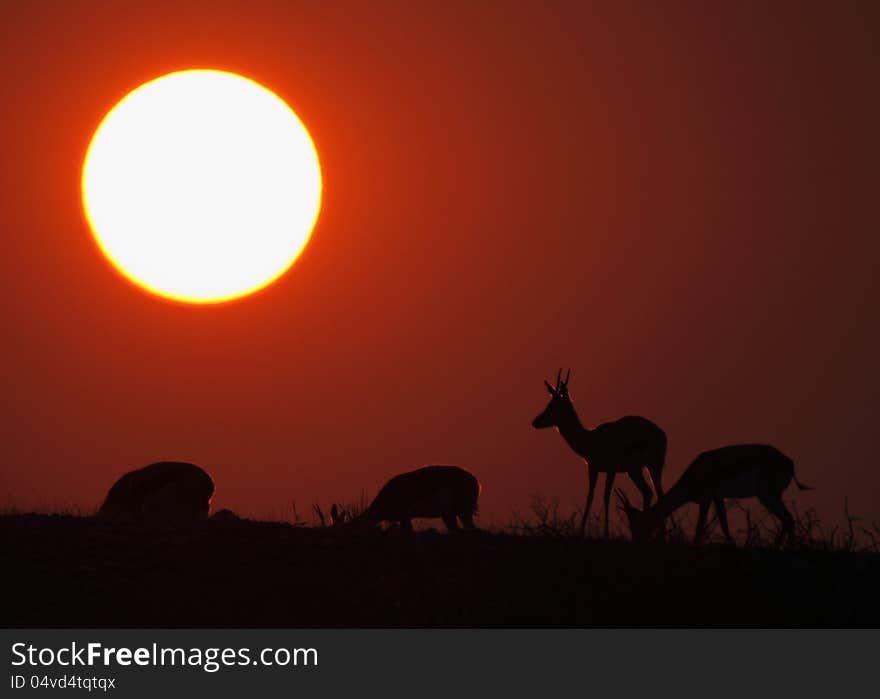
(82, 572)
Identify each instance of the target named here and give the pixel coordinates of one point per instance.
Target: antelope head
(637, 519)
(559, 406)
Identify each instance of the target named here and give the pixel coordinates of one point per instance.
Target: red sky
(679, 203)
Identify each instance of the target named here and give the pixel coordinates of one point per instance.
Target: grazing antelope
(448, 492)
(626, 446)
(167, 490)
(738, 471)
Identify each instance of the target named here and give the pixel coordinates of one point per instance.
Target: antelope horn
(558, 378)
(567, 375)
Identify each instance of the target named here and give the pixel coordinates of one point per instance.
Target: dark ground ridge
(82, 572)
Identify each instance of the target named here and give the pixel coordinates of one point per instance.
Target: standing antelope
(626, 446)
(738, 471)
(448, 492)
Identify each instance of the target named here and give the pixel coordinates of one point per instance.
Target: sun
(201, 186)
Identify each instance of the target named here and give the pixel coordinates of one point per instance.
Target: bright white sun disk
(201, 186)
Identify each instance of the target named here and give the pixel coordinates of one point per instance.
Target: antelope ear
(550, 388)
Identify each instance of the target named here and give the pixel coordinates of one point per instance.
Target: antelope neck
(675, 497)
(574, 433)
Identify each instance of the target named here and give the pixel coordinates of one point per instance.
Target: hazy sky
(677, 201)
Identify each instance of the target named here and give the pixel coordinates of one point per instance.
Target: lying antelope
(448, 492)
(626, 446)
(166, 490)
(738, 471)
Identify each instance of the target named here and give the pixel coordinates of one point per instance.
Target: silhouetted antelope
(167, 490)
(738, 471)
(448, 492)
(626, 446)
